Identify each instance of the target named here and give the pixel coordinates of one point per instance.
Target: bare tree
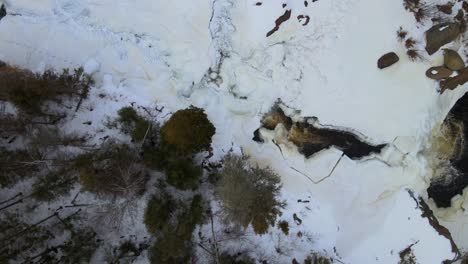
(249, 195)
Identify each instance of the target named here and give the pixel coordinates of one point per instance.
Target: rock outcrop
(454, 82)
(438, 73)
(441, 34)
(453, 60)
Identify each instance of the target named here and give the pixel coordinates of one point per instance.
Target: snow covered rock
(441, 34)
(387, 60)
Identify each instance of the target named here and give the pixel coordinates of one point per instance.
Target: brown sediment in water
(311, 139)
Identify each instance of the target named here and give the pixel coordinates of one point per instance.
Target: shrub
(53, 185)
(401, 34)
(158, 156)
(193, 216)
(80, 247)
(29, 91)
(420, 10)
(188, 130)
(413, 55)
(128, 248)
(182, 173)
(316, 258)
(158, 213)
(260, 224)
(180, 170)
(135, 125)
(226, 258)
(284, 226)
(114, 169)
(249, 195)
(17, 165)
(51, 137)
(409, 43)
(174, 246)
(16, 245)
(12, 126)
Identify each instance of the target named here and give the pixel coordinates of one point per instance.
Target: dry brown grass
(420, 10)
(401, 34)
(410, 43)
(414, 55)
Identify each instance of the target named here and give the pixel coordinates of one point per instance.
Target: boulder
(454, 82)
(438, 73)
(452, 60)
(387, 60)
(441, 34)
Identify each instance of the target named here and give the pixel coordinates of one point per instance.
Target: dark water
(311, 139)
(444, 187)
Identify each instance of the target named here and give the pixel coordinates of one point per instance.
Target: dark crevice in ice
(310, 138)
(444, 187)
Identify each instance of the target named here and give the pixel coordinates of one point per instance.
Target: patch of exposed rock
(439, 72)
(441, 34)
(310, 138)
(453, 82)
(453, 60)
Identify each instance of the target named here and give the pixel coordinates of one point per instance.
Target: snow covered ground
(215, 55)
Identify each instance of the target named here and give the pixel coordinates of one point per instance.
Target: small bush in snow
(17, 246)
(174, 245)
(182, 173)
(284, 226)
(413, 55)
(235, 259)
(80, 247)
(30, 92)
(114, 169)
(188, 130)
(419, 8)
(17, 165)
(127, 252)
(158, 213)
(401, 34)
(134, 124)
(316, 258)
(249, 195)
(53, 185)
(180, 170)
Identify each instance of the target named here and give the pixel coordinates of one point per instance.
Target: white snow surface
(155, 51)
